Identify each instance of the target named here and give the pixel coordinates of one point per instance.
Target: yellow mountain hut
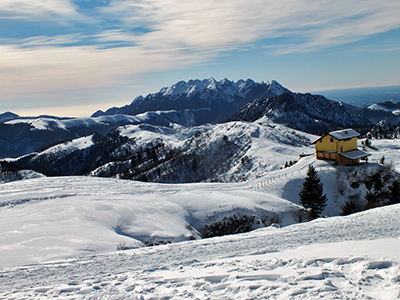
(340, 145)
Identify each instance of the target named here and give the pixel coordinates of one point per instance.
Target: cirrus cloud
(225, 24)
(130, 37)
(37, 10)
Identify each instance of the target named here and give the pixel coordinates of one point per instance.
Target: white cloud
(37, 41)
(177, 33)
(61, 68)
(202, 24)
(56, 10)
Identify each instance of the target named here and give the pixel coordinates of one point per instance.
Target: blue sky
(72, 57)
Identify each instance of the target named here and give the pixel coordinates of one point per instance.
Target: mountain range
(190, 104)
(207, 101)
(195, 102)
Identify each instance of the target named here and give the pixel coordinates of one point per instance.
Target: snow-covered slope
(136, 213)
(233, 151)
(73, 216)
(305, 112)
(353, 257)
(208, 100)
(186, 103)
(22, 136)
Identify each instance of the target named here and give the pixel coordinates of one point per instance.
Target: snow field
(353, 257)
(292, 274)
(389, 149)
(51, 218)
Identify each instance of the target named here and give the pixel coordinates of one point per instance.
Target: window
(332, 140)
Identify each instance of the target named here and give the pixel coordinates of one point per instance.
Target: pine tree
(377, 181)
(395, 192)
(311, 195)
(372, 200)
(349, 207)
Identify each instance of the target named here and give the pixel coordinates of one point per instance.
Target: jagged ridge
(209, 100)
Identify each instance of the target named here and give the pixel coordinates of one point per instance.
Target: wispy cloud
(168, 34)
(63, 68)
(38, 41)
(203, 24)
(38, 9)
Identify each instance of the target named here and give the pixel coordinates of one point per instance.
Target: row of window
(332, 140)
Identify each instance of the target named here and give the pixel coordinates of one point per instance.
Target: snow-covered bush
(124, 246)
(238, 222)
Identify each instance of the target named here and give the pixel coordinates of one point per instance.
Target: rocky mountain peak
(209, 100)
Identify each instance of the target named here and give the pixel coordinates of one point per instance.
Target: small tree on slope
(311, 195)
(350, 207)
(395, 192)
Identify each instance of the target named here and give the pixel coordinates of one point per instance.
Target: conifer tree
(395, 192)
(311, 195)
(349, 207)
(377, 180)
(372, 200)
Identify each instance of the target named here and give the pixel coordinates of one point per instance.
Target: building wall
(328, 148)
(348, 145)
(330, 144)
(326, 155)
(347, 162)
(326, 144)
